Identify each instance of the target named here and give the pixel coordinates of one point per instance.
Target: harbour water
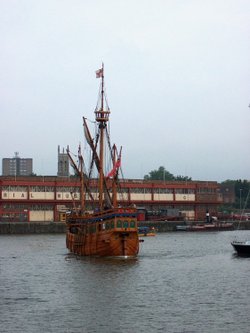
(180, 282)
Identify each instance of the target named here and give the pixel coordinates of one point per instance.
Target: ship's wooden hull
(113, 234)
(105, 244)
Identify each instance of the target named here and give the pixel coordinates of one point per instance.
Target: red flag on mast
(99, 73)
(115, 168)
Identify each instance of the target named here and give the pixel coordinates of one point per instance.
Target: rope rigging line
(99, 98)
(243, 210)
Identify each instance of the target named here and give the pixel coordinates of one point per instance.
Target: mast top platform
(102, 116)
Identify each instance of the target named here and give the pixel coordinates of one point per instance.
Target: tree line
(163, 174)
(241, 192)
(241, 187)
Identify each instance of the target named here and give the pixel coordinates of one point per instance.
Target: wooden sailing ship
(107, 229)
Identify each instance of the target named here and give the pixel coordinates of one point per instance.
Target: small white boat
(242, 248)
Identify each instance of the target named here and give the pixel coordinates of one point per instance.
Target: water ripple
(179, 283)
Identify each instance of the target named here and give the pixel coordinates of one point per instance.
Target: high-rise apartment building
(17, 166)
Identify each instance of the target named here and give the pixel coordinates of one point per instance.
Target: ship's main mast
(101, 117)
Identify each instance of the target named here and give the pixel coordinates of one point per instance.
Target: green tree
(183, 178)
(160, 174)
(241, 189)
(163, 174)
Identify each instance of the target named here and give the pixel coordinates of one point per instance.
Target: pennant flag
(99, 73)
(115, 168)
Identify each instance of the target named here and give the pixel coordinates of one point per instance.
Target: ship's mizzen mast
(80, 158)
(101, 117)
(79, 171)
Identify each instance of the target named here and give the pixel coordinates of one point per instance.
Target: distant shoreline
(17, 228)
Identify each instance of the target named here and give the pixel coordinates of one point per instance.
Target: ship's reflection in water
(180, 282)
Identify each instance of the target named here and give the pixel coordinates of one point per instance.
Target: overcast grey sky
(177, 76)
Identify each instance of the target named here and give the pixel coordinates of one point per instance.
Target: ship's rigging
(100, 146)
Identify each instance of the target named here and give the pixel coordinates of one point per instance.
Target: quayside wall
(32, 227)
(60, 227)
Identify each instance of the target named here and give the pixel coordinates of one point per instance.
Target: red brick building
(46, 198)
